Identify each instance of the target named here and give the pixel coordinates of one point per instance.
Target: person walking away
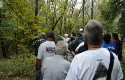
(72, 37)
(46, 49)
(56, 67)
(106, 44)
(81, 32)
(38, 42)
(93, 64)
(117, 44)
(75, 43)
(36, 46)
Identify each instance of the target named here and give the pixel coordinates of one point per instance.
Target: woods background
(21, 22)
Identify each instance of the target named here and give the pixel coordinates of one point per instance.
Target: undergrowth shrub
(22, 65)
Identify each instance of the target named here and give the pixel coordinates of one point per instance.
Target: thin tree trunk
(83, 10)
(36, 8)
(3, 48)
(92, 9)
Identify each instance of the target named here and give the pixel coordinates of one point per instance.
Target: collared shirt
(55, 68)
(37, 44)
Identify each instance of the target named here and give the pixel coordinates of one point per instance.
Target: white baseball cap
(66, 35)
(80, 29)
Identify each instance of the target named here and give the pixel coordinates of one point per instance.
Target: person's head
(50, 35)
(61, 47)
(79, 35)
(73, 34)
(42, 35)
(107, 38)
(115, 36)
(66, 35)
(93, 32)
(72, 38)
(81, 30)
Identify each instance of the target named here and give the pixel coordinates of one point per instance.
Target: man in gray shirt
(56, 67)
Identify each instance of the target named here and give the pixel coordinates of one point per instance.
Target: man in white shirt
(65, 38)
(46, 49)
(93, 64)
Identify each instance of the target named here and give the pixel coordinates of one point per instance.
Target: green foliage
(19, 66)
(111, 10)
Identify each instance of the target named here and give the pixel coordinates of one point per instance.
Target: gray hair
(61, 47)
(94, 32)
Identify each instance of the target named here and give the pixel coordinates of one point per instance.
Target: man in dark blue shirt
(75, 43)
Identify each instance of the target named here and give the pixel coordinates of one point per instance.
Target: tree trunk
(83, 10)
(122, 29)
(36, 8)
(3, 48)
(92, 9)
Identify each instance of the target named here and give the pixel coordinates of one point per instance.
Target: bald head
(42, 35)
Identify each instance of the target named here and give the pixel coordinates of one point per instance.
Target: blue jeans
(37, 77)
(41, 76)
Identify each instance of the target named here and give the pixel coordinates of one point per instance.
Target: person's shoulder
(66, 61)
(48, 58)
(73, 42)
(43, 39)
(83, 55)
(89, 53)
(103, 44)
(37, 40)
(43, 44)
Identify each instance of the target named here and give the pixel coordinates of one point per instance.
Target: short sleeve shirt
(46, 49)
(93, 65)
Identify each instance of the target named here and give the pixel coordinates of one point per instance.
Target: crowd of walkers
(91, 55)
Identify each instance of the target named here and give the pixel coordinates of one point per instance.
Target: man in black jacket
(75, 43)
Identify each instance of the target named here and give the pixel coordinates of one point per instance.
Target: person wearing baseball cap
(81, 32)
(65, 38)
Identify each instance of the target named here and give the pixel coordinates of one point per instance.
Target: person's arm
(73, 53)
(76, 50)
(71, 48)
(38, 66)
(62, 38)
(39, 59)
(81, 44)
(79, 50)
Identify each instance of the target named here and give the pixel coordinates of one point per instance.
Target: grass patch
(18, 68)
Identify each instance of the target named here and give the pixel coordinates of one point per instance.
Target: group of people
(94, 57)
